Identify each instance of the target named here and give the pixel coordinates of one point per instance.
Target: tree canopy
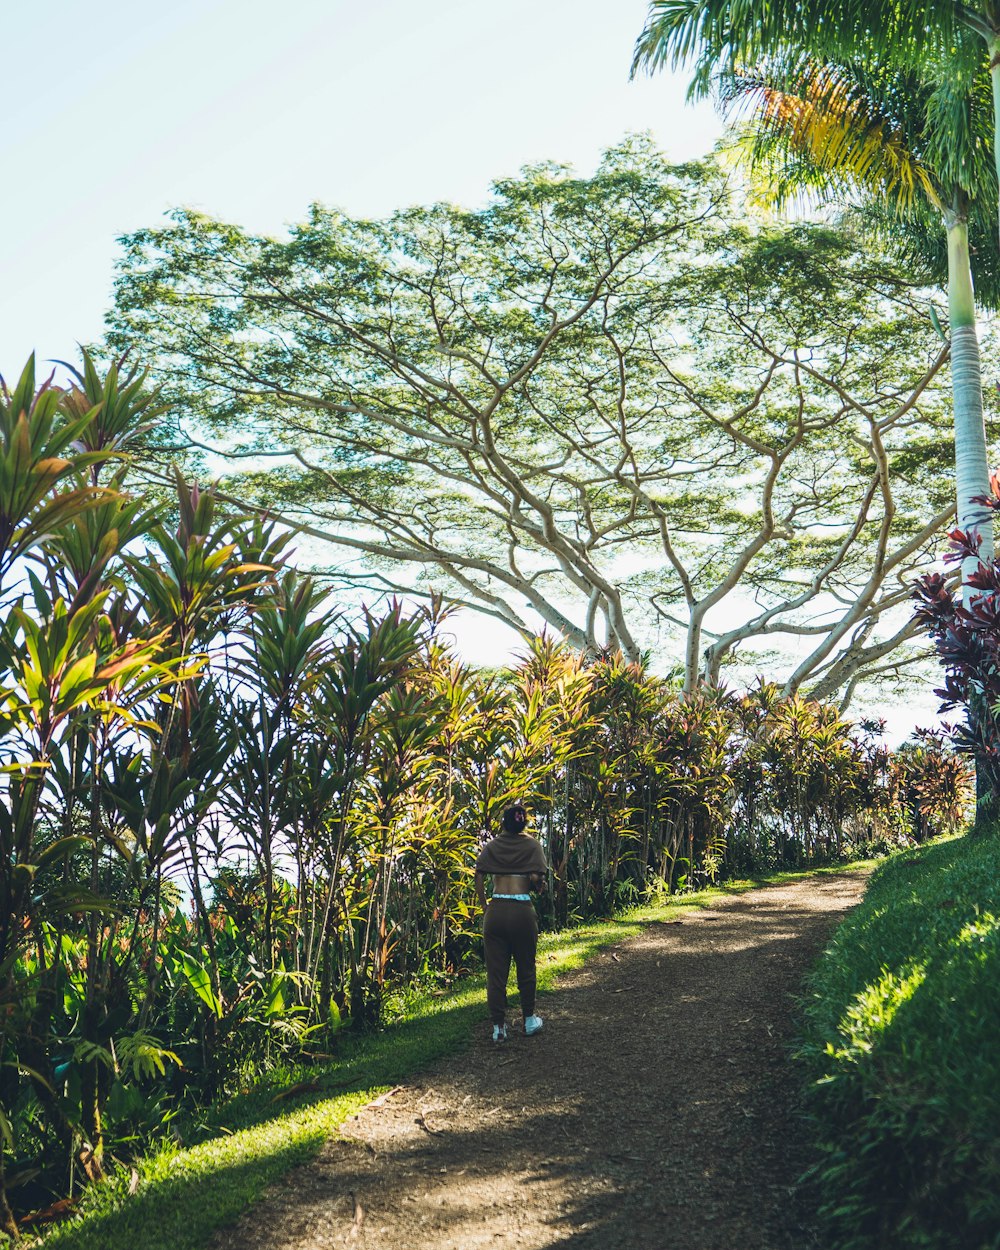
(612, 403)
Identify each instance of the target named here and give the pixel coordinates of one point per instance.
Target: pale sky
(119, 110)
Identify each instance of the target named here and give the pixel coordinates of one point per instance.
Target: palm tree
(834, 130)
(720, 35)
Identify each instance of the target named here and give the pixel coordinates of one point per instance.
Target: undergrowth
(903, 1060)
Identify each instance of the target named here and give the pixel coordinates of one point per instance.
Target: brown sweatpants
(510, 928)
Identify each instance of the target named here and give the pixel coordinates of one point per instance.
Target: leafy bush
(966, 634)
(902, 1058)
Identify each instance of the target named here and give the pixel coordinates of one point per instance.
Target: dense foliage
(234, 821)
(901, 1050)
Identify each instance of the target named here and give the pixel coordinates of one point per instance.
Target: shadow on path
(655, 1110)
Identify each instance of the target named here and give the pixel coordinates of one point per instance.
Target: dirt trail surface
(654, 1111)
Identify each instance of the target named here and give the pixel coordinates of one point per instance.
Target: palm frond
(713, 36)
(899, 149)
(815, 128)
(959, 132)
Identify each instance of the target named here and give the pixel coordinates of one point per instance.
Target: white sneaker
(533, 1024)
(500, 1032)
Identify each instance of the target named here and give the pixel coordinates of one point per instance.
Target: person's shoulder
(485, 847)
(535, 849)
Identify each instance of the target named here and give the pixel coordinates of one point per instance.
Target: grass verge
(903, 1060)
(184, 1193)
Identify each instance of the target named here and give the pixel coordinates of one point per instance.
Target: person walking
(516, 863)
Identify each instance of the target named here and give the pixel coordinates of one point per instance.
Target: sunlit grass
(186, 1192)
(902, 1056)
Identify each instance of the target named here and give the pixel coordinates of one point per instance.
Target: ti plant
(966, 636)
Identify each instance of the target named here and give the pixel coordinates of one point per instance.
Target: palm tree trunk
(972, 476)
(971, 466)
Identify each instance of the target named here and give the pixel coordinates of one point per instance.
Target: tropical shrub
(966, 634)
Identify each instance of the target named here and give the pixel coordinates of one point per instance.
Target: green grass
(186, 1192)
(902, 1053)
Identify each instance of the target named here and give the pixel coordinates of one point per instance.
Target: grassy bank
(903, 1058)
(184, 1191)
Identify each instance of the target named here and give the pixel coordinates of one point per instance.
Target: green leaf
(197, 976)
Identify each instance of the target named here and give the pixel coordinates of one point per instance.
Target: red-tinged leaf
(61, 1210)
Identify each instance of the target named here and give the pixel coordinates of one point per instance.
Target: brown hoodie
(512, 853)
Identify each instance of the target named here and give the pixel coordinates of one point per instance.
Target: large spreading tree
(608, 404)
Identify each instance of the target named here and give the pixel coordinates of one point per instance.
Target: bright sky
(119, 110)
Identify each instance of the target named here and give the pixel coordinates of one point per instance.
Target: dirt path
(655, 1110)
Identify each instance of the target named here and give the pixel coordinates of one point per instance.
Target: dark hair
(514, 819)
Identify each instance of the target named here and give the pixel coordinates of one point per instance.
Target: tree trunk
(972, 476)
(92, 1159)
(692, 652)
(8, 1224)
